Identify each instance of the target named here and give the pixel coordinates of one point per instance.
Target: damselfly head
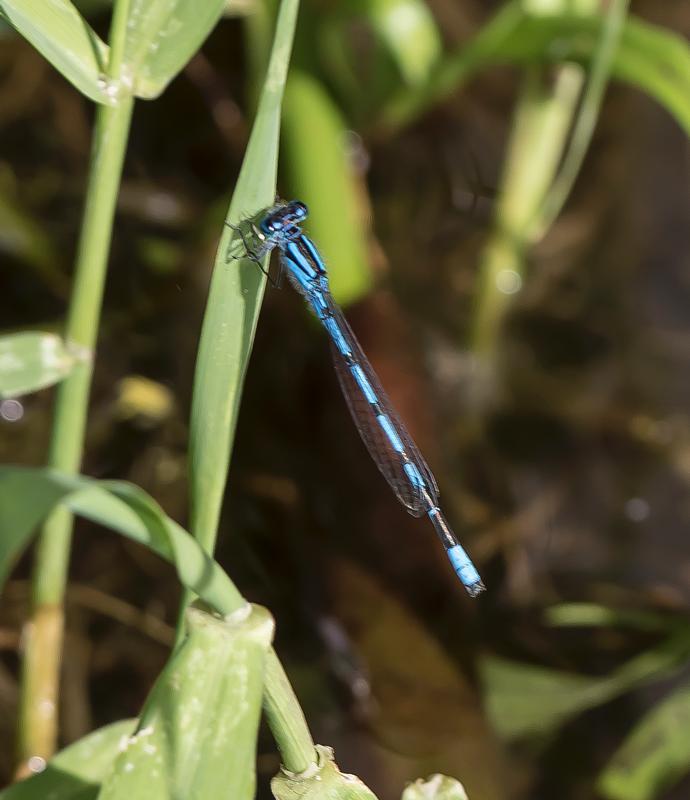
(283, 218)
(297, 211)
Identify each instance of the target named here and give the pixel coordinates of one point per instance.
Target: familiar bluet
(383, 433)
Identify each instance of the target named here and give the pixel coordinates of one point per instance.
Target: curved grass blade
(27, 495)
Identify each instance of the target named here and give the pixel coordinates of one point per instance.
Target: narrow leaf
(162, 35)
(31, 361)
(197, 736)
(655, 755)
(59, 32)
(234, 301)
(512, 686)
(76, 772)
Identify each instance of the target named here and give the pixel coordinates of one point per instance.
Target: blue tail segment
(385, 436)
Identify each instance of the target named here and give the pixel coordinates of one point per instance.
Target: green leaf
(31, 361)
(162, 35)
(512, 686)
(197, 735)
(59, 32)
(234, 301)
(329, 191)
(648, 57)
(76, 772)
(28, 495)
(655, 755)
(324, 782)
(436, 787)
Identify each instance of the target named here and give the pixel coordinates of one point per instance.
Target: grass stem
(43, 633)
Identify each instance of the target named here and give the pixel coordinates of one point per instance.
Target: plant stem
(286, 719)
(587, 118)
(540, 128)
(43, 632)
(542, 164)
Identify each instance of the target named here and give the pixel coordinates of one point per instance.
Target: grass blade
(162, 35)
(232, 310)
(58, 31)
(27, 495)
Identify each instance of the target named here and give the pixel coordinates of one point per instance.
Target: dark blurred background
(565, 472)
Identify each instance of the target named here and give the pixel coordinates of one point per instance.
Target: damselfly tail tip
(475, 589)
(465, 570)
